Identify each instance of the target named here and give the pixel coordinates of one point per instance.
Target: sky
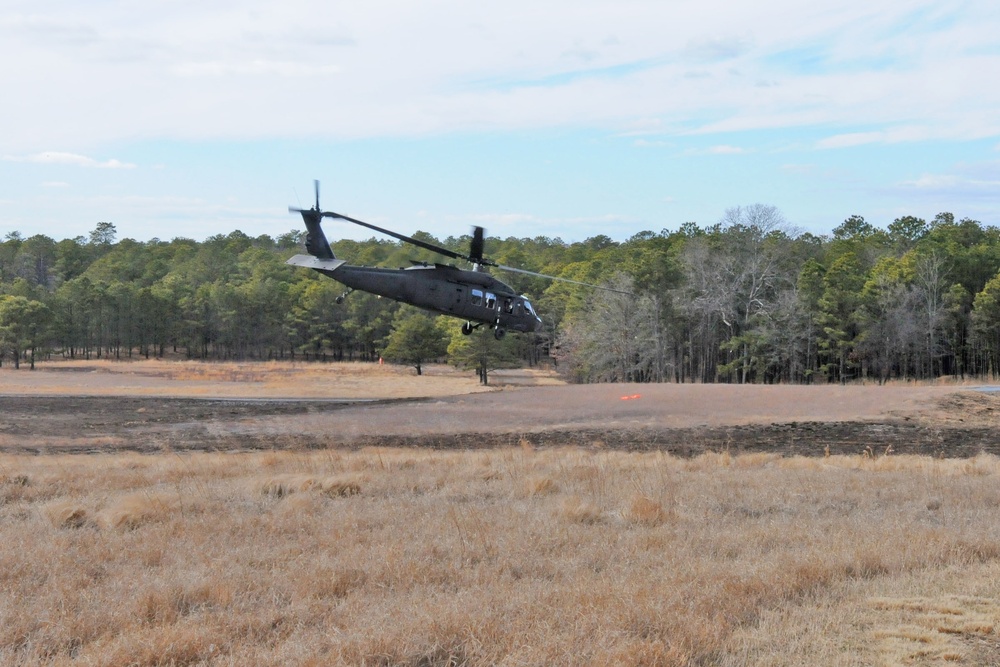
(558, 118)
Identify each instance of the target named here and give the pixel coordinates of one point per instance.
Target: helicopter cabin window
(477, 297)
(508, 305)
(491, 300)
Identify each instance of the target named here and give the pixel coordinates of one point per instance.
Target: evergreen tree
(23, 326)
(415, 339)
(481, 351)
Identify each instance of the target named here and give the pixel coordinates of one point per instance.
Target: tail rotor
(316, 243)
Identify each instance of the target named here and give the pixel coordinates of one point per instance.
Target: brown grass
(645, 510)
(66, 514)
(519, 556)
(132, 511)
(280, 379)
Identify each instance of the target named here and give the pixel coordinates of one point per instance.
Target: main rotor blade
(476, 247)
(475, 256)
(565, 280)
(402, 237)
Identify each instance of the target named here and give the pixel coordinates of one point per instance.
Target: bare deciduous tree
(614, 339)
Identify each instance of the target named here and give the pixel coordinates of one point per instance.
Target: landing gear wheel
(499, 333)
(467, 328)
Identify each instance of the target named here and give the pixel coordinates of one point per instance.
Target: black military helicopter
(475, 296)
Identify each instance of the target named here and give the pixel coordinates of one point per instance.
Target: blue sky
(564, 119)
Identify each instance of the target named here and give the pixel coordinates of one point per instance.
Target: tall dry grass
(501, 557)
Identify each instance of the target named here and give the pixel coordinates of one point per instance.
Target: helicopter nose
(538, 323)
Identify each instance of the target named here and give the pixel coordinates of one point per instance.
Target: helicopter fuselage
(474, 296)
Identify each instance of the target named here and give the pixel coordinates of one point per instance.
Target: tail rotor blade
(316, 187)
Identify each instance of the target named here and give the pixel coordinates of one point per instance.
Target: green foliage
(23, 326)
(103, 234)
(906, 231)
(855, 228)
(481, 351)
(743, 300)
(415, 339)
(986, 322)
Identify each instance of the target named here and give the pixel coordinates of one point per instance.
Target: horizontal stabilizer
(310, 262)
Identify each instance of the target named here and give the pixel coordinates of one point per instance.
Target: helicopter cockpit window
(477, 297)
(508, 305)
(491, 300)
(527, 307)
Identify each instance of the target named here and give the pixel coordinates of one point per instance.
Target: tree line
(748, 299)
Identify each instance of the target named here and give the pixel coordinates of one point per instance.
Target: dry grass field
(101, 377)
(503, 557)
(517, 555)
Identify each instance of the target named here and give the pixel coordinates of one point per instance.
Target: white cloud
(970, 189)
(52, 28)
(199, 87)
(726, 150)
(58, 158)
(641, 126)
(909, 133)
(851, 139)
(723, 149)
(650, 143)
(303, 68)
(953, 183)
(256, 67)
(933, 182)
(711, 48)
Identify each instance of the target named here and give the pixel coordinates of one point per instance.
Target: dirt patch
(541, 416)
(964, 409)
(808, 439)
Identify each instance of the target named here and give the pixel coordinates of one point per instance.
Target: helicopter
(473, 295)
